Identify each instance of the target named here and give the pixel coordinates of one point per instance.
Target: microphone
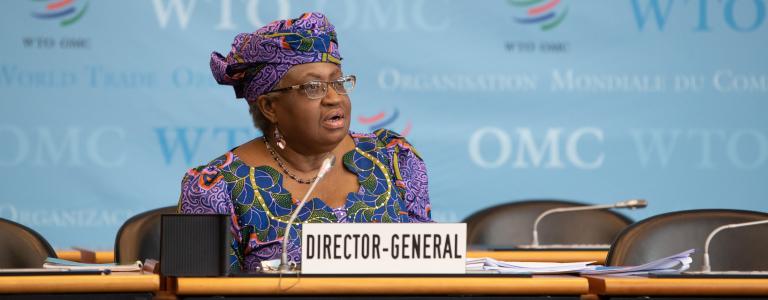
(631, 204)
(324, 168)
(706, 267)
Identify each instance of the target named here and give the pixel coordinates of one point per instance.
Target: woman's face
(312, 125)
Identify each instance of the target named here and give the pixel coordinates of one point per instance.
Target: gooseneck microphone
(632, 204)
(324, 168)
(706, 267)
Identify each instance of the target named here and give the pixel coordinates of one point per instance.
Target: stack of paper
(671, 264)
(62, 264)
(486, 264)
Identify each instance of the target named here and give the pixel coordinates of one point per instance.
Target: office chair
(22, 247)
(511, 224)
(139, 237)
(739, 249)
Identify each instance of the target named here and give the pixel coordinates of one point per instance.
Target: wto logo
(548, 15)
(65, 10)
(700, 16)
(380, 120)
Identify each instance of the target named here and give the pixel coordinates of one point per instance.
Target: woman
(290, 73)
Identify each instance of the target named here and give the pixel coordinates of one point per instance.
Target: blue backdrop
(105, 104)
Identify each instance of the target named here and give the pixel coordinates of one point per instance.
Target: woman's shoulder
(211, 173)
(204, 188)
(219, 163)
(391, 140)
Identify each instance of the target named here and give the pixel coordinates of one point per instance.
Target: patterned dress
(393, 188)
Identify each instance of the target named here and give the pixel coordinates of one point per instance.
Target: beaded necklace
(280, 163)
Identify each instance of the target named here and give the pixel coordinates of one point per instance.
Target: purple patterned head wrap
(259, 60)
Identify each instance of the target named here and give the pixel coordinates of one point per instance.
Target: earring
(279, 139)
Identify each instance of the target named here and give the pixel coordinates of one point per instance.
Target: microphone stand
(285, 267)
(705, 268)
(632, 204)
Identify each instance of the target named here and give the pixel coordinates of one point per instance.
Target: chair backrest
(666, 234)
(510, 224)
(22, 247)
(139, 237)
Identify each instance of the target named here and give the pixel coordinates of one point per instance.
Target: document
(671, 264)
(44, 271)
(504, 267)
(62, 264)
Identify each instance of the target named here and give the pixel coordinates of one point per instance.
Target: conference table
(431, 286)
(143, 286)
(87, 256)
(543, 255)
(692, 288)
(125, 285)
(598, 256)
(118, 285)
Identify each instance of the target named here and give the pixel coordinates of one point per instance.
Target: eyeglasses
(317, 89)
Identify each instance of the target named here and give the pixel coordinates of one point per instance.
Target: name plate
(383, 248)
